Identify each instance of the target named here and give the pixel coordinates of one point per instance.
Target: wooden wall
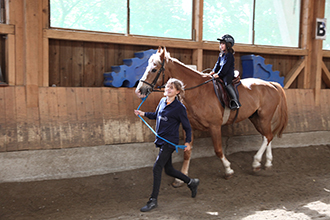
(76, 117)
(82, 64)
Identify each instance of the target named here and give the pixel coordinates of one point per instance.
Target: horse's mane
(175, 60)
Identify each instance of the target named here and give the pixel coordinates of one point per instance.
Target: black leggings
(164, 160)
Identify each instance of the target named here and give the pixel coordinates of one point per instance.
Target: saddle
(221, 92)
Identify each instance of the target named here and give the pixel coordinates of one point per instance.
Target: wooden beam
(294, 72)
(316, 53)
(197, 55)
(10, 59)
(326, 75)
(154, 41)
(45, 45)
(7, 29)
(326, 53)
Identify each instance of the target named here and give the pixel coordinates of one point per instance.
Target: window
(276, 22)
(228, 17)
(170, 18)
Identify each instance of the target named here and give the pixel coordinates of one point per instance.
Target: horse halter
(152, 85)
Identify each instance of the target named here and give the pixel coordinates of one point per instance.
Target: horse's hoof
(256, 169)
(228, 176)
(269, 168)
(177, 184)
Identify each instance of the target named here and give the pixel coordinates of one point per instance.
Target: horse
(263, 103)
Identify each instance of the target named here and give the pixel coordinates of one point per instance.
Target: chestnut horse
(263, 103)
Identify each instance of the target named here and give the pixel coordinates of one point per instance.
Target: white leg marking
(269, 156)
(257, 158)
(226, 164)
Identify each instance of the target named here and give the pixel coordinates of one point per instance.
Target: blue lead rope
(153, 131)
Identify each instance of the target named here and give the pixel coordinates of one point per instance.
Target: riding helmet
(227, 38)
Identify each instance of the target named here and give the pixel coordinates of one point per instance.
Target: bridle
(152, 85)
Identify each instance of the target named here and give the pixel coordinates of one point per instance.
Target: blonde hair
(178, 84)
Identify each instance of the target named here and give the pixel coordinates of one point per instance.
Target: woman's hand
(138, 112)
(188, 146)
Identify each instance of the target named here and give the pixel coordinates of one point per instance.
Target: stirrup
(235, 106)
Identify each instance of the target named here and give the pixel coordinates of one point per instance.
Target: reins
(153, 131)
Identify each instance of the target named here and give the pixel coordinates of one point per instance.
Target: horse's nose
(144, 90)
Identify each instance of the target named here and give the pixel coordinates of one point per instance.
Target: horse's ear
(159, 49)
(162, 55)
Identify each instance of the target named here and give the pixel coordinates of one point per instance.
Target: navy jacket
(168, 119)
(225, 67)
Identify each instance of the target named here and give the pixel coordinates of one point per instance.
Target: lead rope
(153, 131)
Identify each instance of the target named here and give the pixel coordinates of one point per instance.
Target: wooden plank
(137, 122)
(46, 140)
(65, 63)
(115, 119)
(7, 29)
(99, 64)
(63, 125)
(74, 125)
(326, 74)
(89, 65)
(45, 63)
(11, 125)
(294, 72)
(33, 127)
(54, 117)
(106, 111)
(32, 43)
(2, 121)
(10, 59)
(98, 116)
(91, 126)
(54, 66)
(77, 63)
(22, 131)
(325, 109)
(15, 16)
(81, 117)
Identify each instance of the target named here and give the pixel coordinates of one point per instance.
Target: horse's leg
(217, 144)
(185, 165)
(264, 128)
(258, 156)
(269, 156)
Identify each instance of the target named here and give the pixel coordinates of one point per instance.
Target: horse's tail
(280, 118)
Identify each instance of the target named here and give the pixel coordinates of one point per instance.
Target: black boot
(234, 103)
(193, 187)
(151, 204)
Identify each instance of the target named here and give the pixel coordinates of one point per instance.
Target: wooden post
(197, 56)
(316, 53)
(305, 38)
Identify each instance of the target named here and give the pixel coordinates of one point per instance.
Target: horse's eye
(153, 70)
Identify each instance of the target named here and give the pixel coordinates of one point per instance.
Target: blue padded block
(255, 67)
(130, 73)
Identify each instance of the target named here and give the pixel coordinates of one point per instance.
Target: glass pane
(233, 17)
(326, 43)
(170, 18)
(277, 22)
(94, 15)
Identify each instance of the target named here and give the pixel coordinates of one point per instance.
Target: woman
(169, 114)
(224, 68)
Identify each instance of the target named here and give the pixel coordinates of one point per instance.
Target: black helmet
(227, 38)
